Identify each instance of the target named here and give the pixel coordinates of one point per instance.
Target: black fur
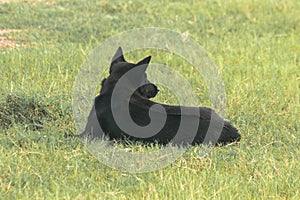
(201, 124)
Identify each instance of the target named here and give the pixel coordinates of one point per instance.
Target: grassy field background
(255, 45)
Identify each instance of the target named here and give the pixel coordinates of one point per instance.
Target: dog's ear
(144, 63)
(118, 57)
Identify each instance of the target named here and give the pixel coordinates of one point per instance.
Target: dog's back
(183, 125)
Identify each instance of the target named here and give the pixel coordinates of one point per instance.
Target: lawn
(255, 46)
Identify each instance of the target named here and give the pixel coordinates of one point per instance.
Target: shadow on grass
(29, 111)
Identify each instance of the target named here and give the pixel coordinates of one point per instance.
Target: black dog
(123, 111)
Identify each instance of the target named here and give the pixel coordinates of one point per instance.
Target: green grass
(255, 45)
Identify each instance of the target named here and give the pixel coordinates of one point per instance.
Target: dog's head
(119, 66)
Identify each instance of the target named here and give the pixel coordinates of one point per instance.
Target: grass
(255, 45)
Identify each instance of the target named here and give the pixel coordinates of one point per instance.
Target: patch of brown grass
(7, 41)
(47, 2)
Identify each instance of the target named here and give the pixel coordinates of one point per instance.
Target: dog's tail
(229, 134)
